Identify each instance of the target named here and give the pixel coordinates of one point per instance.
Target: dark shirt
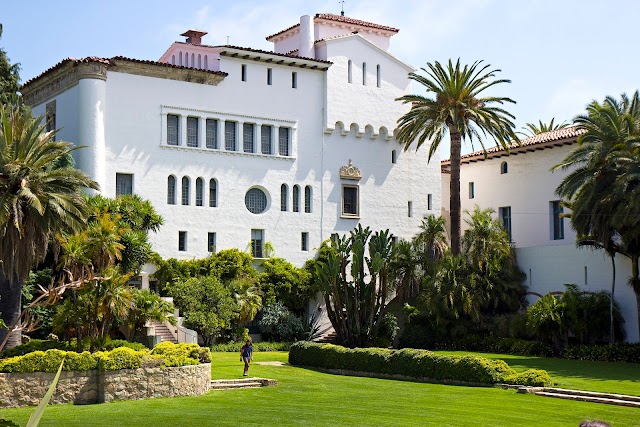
(247, 350)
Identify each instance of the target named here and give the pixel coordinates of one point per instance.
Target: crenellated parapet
(368, 130)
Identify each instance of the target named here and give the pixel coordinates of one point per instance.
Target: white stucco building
(236, 147)
(521, 189)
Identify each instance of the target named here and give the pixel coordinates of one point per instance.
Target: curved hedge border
(164, 354)
(414, 363)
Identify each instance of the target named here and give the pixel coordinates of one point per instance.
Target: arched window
(199, 61)
(364, 73)
(180, 58)
(284, 196)
(193, 60)
(186, 59)
(171, 190)
(394, 156)
(173, 59)
(378, 75)
(206, 63)
(296, 198)
(199, 192)
(213, 193)
(307, 199)
(186, 187)
(350, 71)
(503, 167)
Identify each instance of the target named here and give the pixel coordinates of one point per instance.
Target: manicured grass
(309, 398)
(606, 377)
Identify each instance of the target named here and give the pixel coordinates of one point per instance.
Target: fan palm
(458, 107)
(37, 200)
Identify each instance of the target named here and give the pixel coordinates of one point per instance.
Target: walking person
(246, 356)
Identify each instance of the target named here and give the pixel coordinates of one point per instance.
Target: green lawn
(309, 398)
(604, 377)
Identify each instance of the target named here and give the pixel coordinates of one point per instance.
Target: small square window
(211, 242)
(124, 184)
(304, 241)
(257, 237)
(182, 241)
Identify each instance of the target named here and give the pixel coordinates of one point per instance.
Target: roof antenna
(342, 2)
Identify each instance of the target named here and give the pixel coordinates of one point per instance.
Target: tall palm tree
(532, 129)
(37, 200)
(458, 107)
(602, 188)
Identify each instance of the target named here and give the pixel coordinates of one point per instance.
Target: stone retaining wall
(83, 387)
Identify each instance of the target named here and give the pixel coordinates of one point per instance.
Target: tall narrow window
(307, 199)
(256, 243)
(557, 222)
(265, 138)
(211, 242)
(206, 62)
(364, 73)
(193, 60)
(199, 192)
(296, 198)
(182, 241)
(173, 60)
(429, 202)
(124, 184)
(409, 209)
(394, 156)
(186, 59)
(186, 188)
(472, 190)
(50, 117)
(284, 196)
(213, 193)
(171, 190)
(269, 76)
(350, 203)
(192, 131)
(180, 56)
(247, 137)
(304, 241)
(199, 61)
(350, 71)
(172, 129)
(294, 79)
(212, 133)
(243, 72)
(378, 82)
(504, 168)
(505, 219)
(230, 136)
(284, 138)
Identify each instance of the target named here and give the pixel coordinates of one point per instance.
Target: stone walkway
(585, 396)
(241, 383)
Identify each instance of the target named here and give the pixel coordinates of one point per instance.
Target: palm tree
(532, 129)
(433, 237)
(37, 200)
(602, 189)
(459, 108)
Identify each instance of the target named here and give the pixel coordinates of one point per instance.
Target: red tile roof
(340, 18)
(287, 55)
(109, 61)
(564, 136)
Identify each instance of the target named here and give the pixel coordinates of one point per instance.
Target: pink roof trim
(339, 18)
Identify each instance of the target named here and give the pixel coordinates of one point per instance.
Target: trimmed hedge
(257, 346)
(44, 345)
(413, 363)
(164, 354)
(622, 352)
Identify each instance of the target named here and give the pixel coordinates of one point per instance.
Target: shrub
(181, 354)
(257, 346)
(49, 361)
(497, 345)
(622, 352)
(34, 345)
(119, 358)
(113, 344)
(412, 363)
(279, 324)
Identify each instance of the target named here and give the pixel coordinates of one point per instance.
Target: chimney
(307, 38)
(194, 37)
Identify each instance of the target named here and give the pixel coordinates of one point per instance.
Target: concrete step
(593, 399)
(593, 394)
(230, 386)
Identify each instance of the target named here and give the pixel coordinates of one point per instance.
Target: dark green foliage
(147, 306)
(257, 346)
(388, 330)
(282, 281)
(621, 352)
(113, 344)
(34, 345)
(9, 77)
(488, 344)
(206, 304)
(40, 315)
(420, 364)
(230, 264)
(277, 323)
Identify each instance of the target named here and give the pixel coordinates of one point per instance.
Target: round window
(255, 200)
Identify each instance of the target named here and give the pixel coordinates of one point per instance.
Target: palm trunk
(454, 189)
(10, 308)
(635, 283)
(612, 338)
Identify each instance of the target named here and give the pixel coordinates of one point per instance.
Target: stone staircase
(164, 333)
(241, 383)
(584, 396)
(328, 338)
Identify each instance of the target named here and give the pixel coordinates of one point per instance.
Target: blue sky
(559, 54)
